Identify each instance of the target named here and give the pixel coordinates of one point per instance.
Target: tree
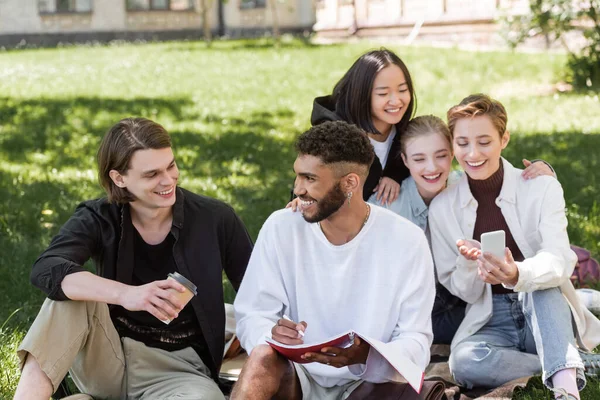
(273, 5)
(204, 7)
(275, 21)
(554, 19)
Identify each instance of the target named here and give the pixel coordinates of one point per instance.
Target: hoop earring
(349, 196)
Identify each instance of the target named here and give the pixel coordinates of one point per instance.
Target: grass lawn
(233, 112)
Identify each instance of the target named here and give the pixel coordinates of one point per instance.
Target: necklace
(367, 216)
(363, 224)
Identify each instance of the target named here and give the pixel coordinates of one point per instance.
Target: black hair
(337, 142)
(352, 94)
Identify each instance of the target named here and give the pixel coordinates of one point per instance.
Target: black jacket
(209, 238)
(324, 110)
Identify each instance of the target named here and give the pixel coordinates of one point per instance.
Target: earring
(349, 196)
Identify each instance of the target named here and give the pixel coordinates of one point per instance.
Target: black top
(153, 263)
(208, 238)
(324, 110)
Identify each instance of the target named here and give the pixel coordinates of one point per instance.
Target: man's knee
(265, 367)
(264, 357)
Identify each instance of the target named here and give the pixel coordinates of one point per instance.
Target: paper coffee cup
(183, 297)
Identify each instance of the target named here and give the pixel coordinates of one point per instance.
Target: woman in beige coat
(519, 308)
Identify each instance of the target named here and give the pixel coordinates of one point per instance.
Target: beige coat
(535, 213)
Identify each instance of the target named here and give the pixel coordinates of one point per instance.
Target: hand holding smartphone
(494, 242)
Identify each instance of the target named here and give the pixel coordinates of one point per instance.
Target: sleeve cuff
(521, 285)
(56, 293)
(359, 370)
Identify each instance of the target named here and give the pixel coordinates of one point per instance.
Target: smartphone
(494, 242)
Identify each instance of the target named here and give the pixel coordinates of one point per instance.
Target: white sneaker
(563, 395)
(591, 363)
(590, 298)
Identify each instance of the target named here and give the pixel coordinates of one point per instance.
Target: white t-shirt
(382, 149)
(380, 284)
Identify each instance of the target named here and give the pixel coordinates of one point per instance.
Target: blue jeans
(522, 338)
(447, 315)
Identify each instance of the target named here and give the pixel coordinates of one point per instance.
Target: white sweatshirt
(380, 284)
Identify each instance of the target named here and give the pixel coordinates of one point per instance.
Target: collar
(178, 213)
(507, 193)
(509, 187)
(178, 209)
(417, 205)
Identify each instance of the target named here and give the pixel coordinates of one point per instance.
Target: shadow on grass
(247, 159)
(24, 232)
(265, 43)
(66, 132)
(576, 159)
(299, 42)
(253, 166)
(573, 155)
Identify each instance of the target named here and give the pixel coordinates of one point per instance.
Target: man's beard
(329, 204)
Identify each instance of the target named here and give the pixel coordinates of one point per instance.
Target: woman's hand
(469, 249)
(535, 169)
(293, 204)
(387, 190)
(496, 271)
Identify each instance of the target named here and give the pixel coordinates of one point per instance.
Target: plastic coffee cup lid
(184, 281)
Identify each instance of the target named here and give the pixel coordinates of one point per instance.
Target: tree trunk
(205, 6)
(354, 28)
(276, 34)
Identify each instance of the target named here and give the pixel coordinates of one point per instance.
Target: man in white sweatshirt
(341, 264)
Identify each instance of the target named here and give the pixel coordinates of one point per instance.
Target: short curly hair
(337, 142)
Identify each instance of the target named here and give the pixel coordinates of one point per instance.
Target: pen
(301, 333)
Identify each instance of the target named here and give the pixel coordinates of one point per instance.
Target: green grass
(535, 390)
(233, 112)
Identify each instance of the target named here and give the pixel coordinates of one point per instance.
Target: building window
(160, 5)
(64, 6)
(249, 4)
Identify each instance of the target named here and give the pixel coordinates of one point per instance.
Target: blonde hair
(478, 105)
(423, 125)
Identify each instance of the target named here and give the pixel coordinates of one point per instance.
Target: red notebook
(405, 367)
(293, 352)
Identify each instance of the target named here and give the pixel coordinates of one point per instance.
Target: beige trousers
(79, 337)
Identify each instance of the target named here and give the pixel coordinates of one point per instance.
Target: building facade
(443, 19)
(48, 22)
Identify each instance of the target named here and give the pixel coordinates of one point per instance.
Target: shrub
(553, 19)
